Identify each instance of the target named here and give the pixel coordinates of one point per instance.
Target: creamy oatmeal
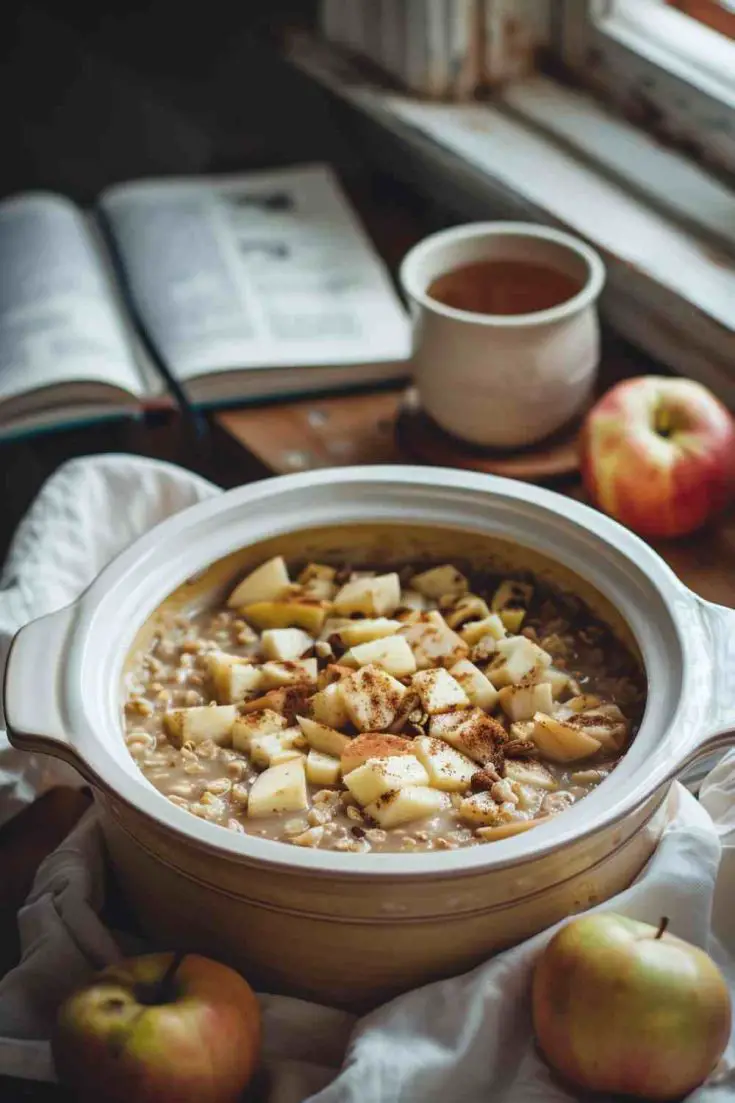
(353, 710)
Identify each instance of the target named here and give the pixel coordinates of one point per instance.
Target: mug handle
(33, 688)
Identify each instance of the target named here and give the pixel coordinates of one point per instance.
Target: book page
(58, 323)
(269, 269)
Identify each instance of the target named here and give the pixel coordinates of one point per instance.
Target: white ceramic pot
(354, 928)
(504, 380)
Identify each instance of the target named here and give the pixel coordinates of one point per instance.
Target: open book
(247, 287)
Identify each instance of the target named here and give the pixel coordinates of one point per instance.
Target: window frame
(646, 58)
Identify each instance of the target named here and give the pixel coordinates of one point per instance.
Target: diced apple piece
(328, 706)
(433, 642)
(373, 745)
(447, 769)
(476, 630)
(523, 702)
(291, 673)
(413, 803)
(558, 680)
(506, 830)
(512, 595)
(233, 678)
(322, 738)
(279, 789)
(372, 698)
(468, 608)
(355, 632)
(481, 809)
(321, 571)
(513, 620)
(373, 597)
(281, 745)
(384, 775)
(266, 583)
(255, 725)
(412, 599)
(445, 581)
(518, 659)
(194, 725)
(317, 581)
(332, 626)
(285, 644)
(559, 742)
(298, 613)
(439, 691)
(480, 690)
(322, 769)
(531, 773)
(476, 735)
(605, 723)
(391, 654)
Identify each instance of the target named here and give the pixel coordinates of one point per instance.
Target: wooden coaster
(421, 439)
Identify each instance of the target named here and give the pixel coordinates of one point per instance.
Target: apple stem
(663, 927)
(165, 990)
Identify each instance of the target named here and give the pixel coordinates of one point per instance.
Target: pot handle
(719, 723)
(32, 689)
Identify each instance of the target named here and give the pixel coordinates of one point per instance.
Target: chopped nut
(317, 817)
(312, 837)
(483, 780)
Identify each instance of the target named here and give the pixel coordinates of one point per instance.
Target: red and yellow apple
(162, 1027)
(621, 1007)
(658, 454)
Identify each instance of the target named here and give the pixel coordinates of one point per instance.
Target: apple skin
(660, 484)
(617, 1009)
(200, 1047)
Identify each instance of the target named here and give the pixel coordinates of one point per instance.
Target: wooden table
(248, 444)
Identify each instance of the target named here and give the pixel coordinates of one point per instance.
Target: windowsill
(665, 228)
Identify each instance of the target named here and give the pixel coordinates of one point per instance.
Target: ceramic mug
(507, 380)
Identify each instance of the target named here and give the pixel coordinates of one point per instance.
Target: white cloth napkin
(466, 1039)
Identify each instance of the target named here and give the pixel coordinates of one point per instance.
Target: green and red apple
(160, 1028)
(658, 454)
(623, 1007)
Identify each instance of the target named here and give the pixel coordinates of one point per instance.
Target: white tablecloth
(467, 1039)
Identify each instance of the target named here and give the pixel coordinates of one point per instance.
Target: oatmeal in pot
(359, 711)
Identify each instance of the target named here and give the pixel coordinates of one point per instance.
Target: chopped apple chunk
(531, 773)
(448, 769)
(415, 802)
(480, 690)
(384, 775)
(523, 702)
(266, 750)
(513, 620)
(468, 608)
(560, 742)
(605, 723)
(512, 595)
(266, 583)
(373, 745)
(439, 691)
(322, 769)
(297, 613)
(481, 809)
(474, 733)
(233, 678)
(285, 644)
(433, 642)
(255, 725)
(445, 581)
(291, 673)
(194, 725)
(328, 706)
(476, 630)
(391, 654)
(518, 659)
(558, 680)
(355, 632)
(323, 738)
(317, 581)
(372, 698)
(373, 597)
(279, 789)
